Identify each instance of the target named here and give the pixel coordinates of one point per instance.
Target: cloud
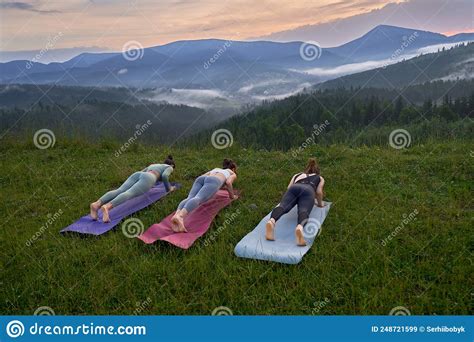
(352, 68)
(151, 22)
(347, 68)
(433, 15)
(24, 6)
(200, 98)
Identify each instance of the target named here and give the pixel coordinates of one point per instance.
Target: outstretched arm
(230, 188)
(165, 175)
(320, 193)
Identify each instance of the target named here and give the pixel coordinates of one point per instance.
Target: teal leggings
(135, 185)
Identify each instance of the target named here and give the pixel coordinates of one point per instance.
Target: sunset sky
(28, 25)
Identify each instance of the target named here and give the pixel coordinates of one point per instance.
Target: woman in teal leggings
(135, 185)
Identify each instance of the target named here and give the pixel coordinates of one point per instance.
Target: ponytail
(229, 164)
(169, 160)
(312, 167)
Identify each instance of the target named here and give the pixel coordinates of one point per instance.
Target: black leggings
(297, 194)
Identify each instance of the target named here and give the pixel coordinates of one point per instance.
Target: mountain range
(203, 73)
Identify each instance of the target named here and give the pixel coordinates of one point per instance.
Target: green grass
(426, 267)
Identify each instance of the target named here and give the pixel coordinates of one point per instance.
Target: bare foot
(181, 227)
(105, 214)
(269, 230)
(300, 241)
(94, 207)
(175, 223)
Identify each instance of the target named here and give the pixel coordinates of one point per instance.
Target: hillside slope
(424, 265)
(451, 64)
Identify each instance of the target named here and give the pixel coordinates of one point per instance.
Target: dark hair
(312, 167)
(229, 164)
(169, 160)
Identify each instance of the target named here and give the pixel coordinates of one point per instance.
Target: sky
(110, 24)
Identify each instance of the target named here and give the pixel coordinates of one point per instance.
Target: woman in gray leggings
(135, 185)
(203, 189)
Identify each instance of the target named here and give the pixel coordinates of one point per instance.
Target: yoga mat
(86, 225)
(284, 248)
(197, 223)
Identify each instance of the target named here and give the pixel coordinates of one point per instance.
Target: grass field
(426, 265)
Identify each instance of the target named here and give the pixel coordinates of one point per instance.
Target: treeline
(350, 117)
(94, 119)
(26, 95)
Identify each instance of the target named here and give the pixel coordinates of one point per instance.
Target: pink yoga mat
(197, 223)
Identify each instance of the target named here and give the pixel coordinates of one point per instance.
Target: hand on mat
(172, 188)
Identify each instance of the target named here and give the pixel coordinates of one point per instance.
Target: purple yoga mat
(86, 225)
(197, 223)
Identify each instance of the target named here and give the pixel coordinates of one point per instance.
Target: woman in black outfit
(305, 189)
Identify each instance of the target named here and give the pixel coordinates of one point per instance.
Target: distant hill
(448, 64)
(384, 40)
(235, 72)
(50, 55)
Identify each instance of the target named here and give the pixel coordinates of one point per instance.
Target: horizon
(98, 50)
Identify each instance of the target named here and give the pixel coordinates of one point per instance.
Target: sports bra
(224, 172)
(311, 179)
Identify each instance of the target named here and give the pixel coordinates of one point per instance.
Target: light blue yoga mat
(284, 248)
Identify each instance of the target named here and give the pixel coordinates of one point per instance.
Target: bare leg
(105, 212)
(300, 241)
(94, 207)
(269, 230)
